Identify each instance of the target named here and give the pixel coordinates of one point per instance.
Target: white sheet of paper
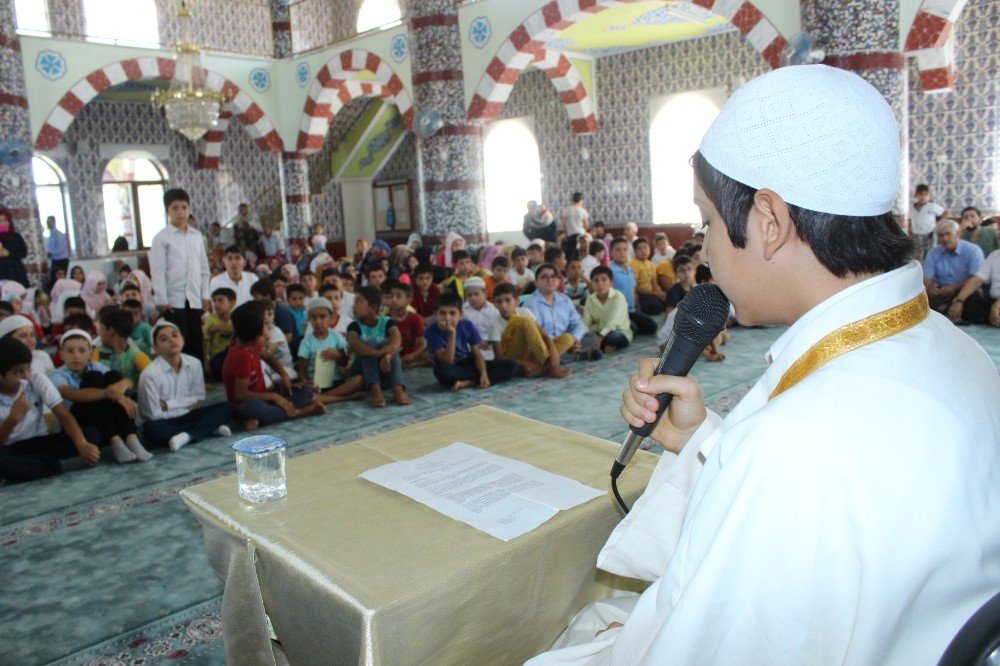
(500, 496)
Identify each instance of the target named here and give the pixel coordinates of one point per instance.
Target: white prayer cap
(823, 138)
(161, 323)
(474, 282)
(12, 323)
(320, 302)
(75, 333)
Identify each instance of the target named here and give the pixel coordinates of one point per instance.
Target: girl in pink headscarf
(141, 280)
(452, 242)
(95, 292)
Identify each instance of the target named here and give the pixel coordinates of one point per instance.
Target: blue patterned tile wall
(953, 136)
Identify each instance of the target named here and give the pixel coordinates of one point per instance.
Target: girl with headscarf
(95, 292)
(452, 243)
(320, 263)
(141, 280)
(539, 222)
(61, 290)
(13, 250)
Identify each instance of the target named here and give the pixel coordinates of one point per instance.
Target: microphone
(701, 316)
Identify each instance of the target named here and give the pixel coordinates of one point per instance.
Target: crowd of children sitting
(290, 339)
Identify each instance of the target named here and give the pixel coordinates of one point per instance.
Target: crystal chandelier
(190, 110)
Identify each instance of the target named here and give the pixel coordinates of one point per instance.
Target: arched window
(106, 22)
(513, 173)
(50, 193)
(133, 199)
(32, 16)
(679, 123)
(377, 14)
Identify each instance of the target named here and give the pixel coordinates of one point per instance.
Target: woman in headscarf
(291, 273)
(452, 243)
(61, 290)
(398, 260)
(539, 222)
(141, 280)
(319, 263)
(13, 250)
(95, 292)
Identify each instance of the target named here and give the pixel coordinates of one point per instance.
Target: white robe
(852, 519)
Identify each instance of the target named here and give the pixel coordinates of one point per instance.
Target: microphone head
(702, 314)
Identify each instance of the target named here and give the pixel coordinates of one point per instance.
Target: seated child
(376, 276)
(172, 395)
(308, 281)
(595, 257)
(462, 266)
(276, 344)
(217, 331)
(43, 310)
(397, 297)
(425, 292)
(141, 329)
(318, 240)
(325, 348)
(684, 268)
(340, 321)
(375, 342)
(453, 343)
(480, 312)
(297, 304)
(96, 397)
(497, 276)
(115, 328)
(650, 296)
(254, 405)
(516, 335)
(520, 275)
(576, 287)
(27, 450)
(21, 329)
(606, 312)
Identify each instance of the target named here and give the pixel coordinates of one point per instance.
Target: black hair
(326, 288)
(226, 293)
(595, 247)
(618, 240)
(968, 208)
(376, 267)
(844, 244)
(124, 267)
(458, 255)
(702, 274)
(173, 195)
(545, 266)
(6, 308)
(423, 269)
(12, 354)
(395, 285)
(449, 300)
(500, 262)
(921, 188)
(327, 272)
(125, 287)
(80, 320)
(518, 252)
(372, 296)
(232, 249)
(132, 304)
(577, 197)
(553, 253)
(681, 260)
(694, 247)
(602, 270)
(118, 321)
(264, 287)
(598, 223)
(248, 321)
(305, 273)
(294, 289)
(639, 241)
(505, 288)
(278, 275)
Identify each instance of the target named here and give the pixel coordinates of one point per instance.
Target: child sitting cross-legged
(397, 296)
(375, 342)
(516, 335)
(96, 396)
(172, 395)
(323, 356)
(275, 343)
(606, 312)
(217, 330)
(453, 343)
(115, 328)
(27, 450)
(254, 405)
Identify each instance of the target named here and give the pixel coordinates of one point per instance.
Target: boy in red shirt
(243, 376)
(413, 353)
(425, 292)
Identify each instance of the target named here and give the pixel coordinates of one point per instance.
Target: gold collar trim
(878, 326)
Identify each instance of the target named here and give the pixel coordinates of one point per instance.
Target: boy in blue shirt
(453, 343)
(375, 341)
(326, 345)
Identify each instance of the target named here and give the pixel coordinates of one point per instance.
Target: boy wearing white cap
(819, 522)
(480, 312)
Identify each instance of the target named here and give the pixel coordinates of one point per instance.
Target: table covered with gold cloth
(342, 571)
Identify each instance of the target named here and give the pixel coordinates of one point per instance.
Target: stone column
(863, 36)
(281, 26)
(296, 205)
(450, 163)
(17, 186)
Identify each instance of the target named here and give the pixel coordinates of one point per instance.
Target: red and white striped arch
(209, 147)
(334, 86)
(568, 81)
(929, 39)
(257, 124)
(528, 39)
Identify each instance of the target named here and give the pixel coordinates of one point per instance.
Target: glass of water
(260, 468)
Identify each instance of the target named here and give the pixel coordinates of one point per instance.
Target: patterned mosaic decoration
(495, 86)
(260, 80)
(480, 32)
(399, 47)
(249, 113)
(302, 73)
(334, 87)
(319, 22)
(51, 65)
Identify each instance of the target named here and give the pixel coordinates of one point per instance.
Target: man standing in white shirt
(924, 216)
(235, 277)
(820, 522)
(575, 221)
(179, 269)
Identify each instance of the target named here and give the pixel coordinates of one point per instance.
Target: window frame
(134, 186)
(63, 187)
(528, 122)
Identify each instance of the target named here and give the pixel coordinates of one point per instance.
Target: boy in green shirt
(140, 328)
(606, 312)
(217, 330)
(115, 327)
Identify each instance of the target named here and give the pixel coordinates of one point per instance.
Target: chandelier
(191, 110)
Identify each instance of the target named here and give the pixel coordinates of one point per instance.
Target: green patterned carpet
(107, 566)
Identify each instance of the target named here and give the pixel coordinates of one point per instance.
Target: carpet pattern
(107, 567)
